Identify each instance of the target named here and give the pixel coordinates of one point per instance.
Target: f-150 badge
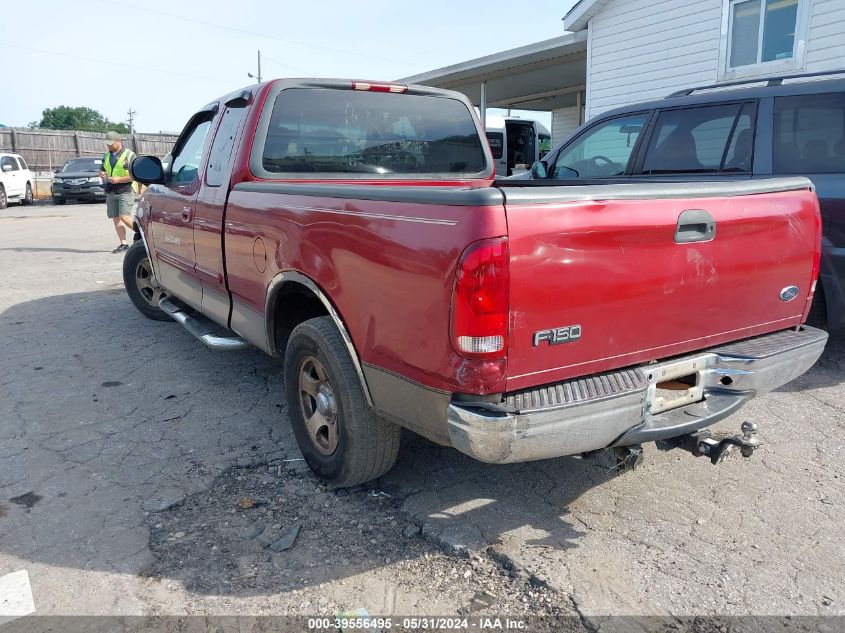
(558, 335)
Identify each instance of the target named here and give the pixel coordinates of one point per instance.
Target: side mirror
(147, 170)
(7, 168)
(57, 171)
(539, 171)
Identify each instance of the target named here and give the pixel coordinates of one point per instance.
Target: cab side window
(220, 155)
(703, 139)
(809, 134)
(602, 152)
(706, 139)
(188, 156)
(22, 162)
(7, 163)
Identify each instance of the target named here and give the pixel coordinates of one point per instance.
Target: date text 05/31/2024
(377, 624)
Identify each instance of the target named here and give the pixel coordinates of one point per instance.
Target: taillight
(371, 87)
(814, 275)
(480, 300)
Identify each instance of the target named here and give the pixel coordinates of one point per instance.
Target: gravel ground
(127, 453)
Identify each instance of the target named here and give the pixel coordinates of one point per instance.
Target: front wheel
(4, 201)
(342, 439)
(27, 195)
(140, 283)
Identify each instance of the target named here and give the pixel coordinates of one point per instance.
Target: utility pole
(258, 77)
(131, 120)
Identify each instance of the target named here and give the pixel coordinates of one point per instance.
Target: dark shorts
(120, 204)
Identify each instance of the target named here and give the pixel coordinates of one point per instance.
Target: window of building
(809, 134)
(763, 36)
(708, 139)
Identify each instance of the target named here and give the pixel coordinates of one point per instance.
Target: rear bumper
(612, 409)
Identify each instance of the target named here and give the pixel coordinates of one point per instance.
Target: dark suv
(79, 179)
(713, 133)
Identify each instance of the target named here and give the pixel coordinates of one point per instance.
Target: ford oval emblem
(789, 293)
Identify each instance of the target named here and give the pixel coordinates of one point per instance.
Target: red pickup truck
(355, 229)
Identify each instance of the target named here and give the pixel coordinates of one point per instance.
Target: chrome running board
(203, 329)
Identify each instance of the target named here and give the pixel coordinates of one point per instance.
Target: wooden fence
(46, 150)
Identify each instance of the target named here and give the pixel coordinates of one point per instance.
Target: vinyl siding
(826, 40)
(645, 49)
(564, 121)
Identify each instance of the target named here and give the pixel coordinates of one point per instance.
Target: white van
(516, 143)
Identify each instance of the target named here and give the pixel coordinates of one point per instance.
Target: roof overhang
(578, 16)
(541, 76)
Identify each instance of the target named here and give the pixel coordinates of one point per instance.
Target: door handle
(695, 225)
(187, 214)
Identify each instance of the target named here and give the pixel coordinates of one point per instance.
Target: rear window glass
(809, 134)
(706, 139)
(83, 164)
(495, 139)
(319, 130)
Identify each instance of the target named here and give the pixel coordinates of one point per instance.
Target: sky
(166, 59)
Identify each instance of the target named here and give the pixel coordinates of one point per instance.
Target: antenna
(258, 77)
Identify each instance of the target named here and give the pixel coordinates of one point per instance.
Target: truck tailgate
(614, 275)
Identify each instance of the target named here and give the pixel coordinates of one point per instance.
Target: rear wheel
(342, 439)
(27, 195)
(4, 201)
(140, 283)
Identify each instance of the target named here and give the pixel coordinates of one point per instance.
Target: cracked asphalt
(125, 448)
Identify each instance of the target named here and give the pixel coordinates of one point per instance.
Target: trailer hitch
(702, 443)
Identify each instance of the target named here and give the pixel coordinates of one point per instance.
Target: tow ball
(702, 443)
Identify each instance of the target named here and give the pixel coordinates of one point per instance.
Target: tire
(4, 201)
(818, 309)
(365, 446)
(59, 201)
(27, 196)
(139, 284)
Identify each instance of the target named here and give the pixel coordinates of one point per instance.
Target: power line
(146, 69)
(276, 61)
(235, 29)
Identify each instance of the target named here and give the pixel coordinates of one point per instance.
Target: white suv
(16, 181)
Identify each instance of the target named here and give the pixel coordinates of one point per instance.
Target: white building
(625, 51)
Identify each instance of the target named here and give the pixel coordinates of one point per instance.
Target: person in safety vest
(120, 198)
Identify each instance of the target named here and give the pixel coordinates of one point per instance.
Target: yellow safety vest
(117, 170)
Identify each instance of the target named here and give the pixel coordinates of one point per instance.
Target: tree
(79, 118)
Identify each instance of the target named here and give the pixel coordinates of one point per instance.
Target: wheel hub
(146, 283)
(325, 400)
(317, 405)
